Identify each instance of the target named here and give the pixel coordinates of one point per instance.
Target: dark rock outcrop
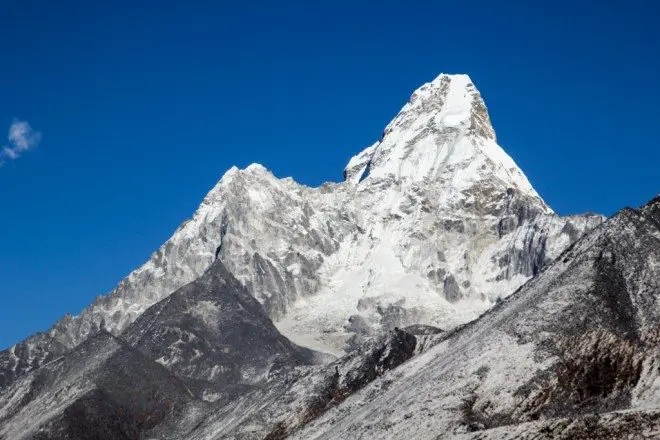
(102, 390)
(216, 336)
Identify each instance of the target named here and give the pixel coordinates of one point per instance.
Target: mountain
(382, 306)
(433, 224)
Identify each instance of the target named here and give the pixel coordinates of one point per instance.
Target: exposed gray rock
(451, 289)
(102, 390)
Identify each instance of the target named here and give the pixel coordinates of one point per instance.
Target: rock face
(103, 390)
(573, 354)
(432, 225)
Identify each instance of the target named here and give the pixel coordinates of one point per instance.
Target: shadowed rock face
(104, 389)
(214, 334)
(28, 355)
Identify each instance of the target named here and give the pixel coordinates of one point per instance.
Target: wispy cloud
(22, 137)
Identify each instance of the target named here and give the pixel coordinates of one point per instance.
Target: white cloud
(21, 138)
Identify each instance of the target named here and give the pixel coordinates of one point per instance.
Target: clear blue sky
(143, 108)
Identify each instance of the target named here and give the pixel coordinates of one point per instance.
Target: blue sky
(141, 109)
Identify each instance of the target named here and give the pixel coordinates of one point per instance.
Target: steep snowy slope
(433, 223)
(578, 340)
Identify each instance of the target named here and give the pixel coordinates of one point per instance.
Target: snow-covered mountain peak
(451, 101)
(442, 138)
(236, 177)
(257, 168)
(253, 168)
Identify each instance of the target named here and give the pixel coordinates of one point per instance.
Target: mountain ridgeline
(431, 294)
